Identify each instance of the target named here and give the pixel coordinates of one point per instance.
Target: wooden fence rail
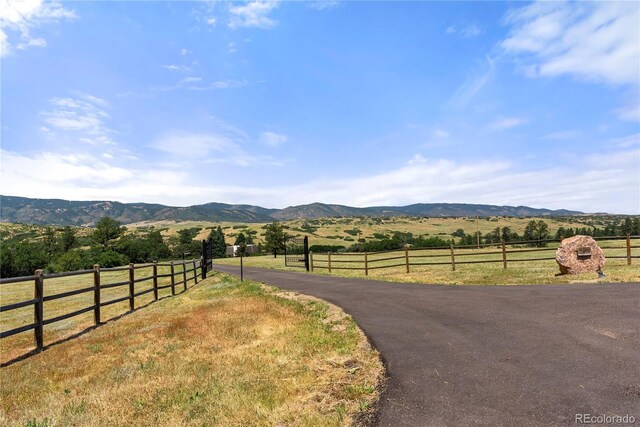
(452, 255)
(39, 299)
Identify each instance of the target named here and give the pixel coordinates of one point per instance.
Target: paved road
(492, 355)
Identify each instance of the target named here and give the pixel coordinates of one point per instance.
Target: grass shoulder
(224, 353)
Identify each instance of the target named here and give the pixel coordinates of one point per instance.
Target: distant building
(231, 250)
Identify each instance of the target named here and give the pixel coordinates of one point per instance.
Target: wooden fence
(504, 253)
(178, 278)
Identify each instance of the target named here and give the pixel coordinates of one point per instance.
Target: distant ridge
(64, 212)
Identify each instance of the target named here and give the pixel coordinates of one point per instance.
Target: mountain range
(86, 213)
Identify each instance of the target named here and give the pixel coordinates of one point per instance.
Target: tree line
(110, 244)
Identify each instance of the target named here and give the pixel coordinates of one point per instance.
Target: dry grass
(224, 353)
(517, 272)
(331, 231)
(20, 344)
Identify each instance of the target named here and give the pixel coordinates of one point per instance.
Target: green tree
(22, 258)
(158, 249)
(274, 237)
(241, 239)
(219, 245)
(50, 242)
(107, 231)
(536, 230)
(507, 235)
(68, 239)
(458, 233)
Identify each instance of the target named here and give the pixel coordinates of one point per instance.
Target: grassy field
(493, 273)
(340, 231)
(16, 292)
(332, 231)
(223, 353)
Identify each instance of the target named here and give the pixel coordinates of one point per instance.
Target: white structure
(231, 250)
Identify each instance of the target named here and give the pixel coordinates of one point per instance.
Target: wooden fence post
(132, 288)
(504, 255)
(173, 279)
(38, 310)
(311, 261)
(366, 264)
(195, 273)
(453, 259)
(184, 274)
(155, 280)
(406, 258)
(628, 249)
(329, 262)
(96, 294)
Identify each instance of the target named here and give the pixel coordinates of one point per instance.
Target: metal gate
(296, 252)
(207, 257)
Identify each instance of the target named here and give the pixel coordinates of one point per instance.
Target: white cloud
(222, 145)
(79, 177)
(441, 134)
(562, 135)
(22, 16)
(596, 41)
(196, 83)
(211, 20)
(253, 14)
(231, 47)
(324, 4)
(629, 113)
(508, 122)
(83, 117)
(185, 52)
(273, 139)
(88, 177)
(470, 31)
(173, 67)
(472, 85)
(467, 31)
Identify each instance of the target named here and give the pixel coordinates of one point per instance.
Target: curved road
(491, 355)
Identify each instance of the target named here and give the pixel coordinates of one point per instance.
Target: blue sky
(358, 103)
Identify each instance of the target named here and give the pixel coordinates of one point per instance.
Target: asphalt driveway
(491, 355)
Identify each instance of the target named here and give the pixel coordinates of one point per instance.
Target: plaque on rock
(580, 254)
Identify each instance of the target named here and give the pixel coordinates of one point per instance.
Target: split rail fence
(174, 276)
(504, 253)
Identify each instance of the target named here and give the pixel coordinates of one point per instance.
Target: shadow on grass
(83, 332)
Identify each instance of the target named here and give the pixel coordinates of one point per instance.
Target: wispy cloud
(508, 122)
(185, 52)
(273, 139)
(419, 180)
(224, 144)
(23, 17)
(253, 14)
(562, 135)
(630, 113)
(440, 134)
(174, 67)
(324, 5)
(466, 31)
(595, 41)
(83, 116)
(472, 85)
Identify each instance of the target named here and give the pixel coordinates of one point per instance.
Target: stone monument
(579, 254)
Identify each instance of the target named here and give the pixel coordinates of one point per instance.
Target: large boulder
(579, 254)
